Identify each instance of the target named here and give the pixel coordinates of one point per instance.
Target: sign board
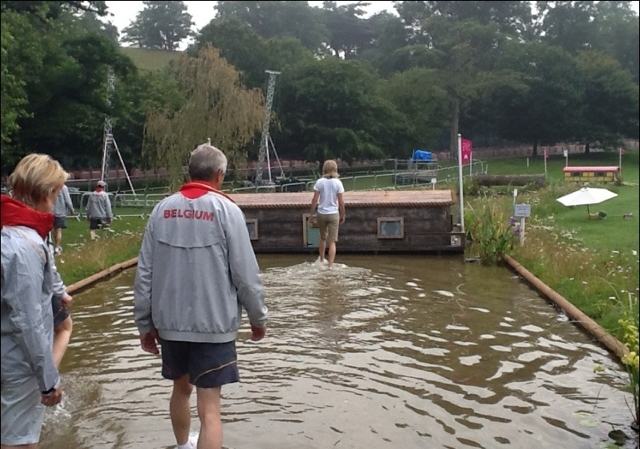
(522, 210)
(565, 152)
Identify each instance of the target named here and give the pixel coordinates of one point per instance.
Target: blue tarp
(421, 155)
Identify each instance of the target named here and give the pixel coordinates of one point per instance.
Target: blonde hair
(330, 169)
(36, 178)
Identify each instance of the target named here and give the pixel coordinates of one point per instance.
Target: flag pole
(460, 181)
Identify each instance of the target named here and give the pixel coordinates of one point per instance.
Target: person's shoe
(58, 250)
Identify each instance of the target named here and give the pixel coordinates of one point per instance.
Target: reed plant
(490, 231)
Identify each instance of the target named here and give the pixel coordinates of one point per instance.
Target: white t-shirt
(329, 189)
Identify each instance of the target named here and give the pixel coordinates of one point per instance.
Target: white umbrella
(586, 196)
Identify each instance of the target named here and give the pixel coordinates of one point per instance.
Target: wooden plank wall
(425, 230)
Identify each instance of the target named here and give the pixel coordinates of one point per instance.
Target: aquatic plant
(489, 229)
(629, 326)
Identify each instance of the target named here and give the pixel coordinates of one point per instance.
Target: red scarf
(196, 189)
(15, 213)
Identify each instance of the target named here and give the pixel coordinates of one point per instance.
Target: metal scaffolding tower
(109, 144)
(263, 154)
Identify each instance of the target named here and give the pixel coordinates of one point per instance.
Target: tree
(330, 108)
(462, 56)
(270, 19)
(53, 84)
(160, 25)
(610, 100)
(215, 105)
(239, 44)
(348, 31)
(549, 109)
(417, 94)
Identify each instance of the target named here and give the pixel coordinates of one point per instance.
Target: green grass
(82, 257)
(593, 263)
(151, 60)
(611, 233)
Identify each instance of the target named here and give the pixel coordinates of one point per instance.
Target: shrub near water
(490, 231)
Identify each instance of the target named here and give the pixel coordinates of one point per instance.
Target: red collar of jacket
(196, 189)
(15, 213)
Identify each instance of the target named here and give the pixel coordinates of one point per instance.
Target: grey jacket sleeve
(59, 288)
(67, 199)
(107, 206)
(245, 273)
(21, 290)
(142, 285)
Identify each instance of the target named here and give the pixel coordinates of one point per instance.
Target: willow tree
(214, 105)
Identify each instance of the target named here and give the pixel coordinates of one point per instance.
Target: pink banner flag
(467, 149)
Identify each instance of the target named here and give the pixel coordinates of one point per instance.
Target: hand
(258, 332)
(342, 217)
(52, 398)
(149, 342)
(67, 300)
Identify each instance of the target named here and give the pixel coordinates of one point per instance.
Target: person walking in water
(195, 270)
(327, 198)
(98, 209)
(60, 209)
(30, 378)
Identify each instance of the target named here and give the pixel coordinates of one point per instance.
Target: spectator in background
(60, 209)
(30, 379)
(327, 197)
(98, 209)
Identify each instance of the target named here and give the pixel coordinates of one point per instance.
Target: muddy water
(382, 352)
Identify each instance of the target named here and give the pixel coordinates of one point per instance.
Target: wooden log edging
(87, 282)
(578, 316)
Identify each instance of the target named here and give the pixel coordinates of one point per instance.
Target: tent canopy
(422, 155)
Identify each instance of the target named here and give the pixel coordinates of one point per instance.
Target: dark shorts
(59, 223)
(59, 313)
(208, 365)
(96, 223)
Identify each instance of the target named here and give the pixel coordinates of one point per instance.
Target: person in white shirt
(327, 198)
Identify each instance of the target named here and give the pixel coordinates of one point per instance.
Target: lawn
(146, 59)
(611, 233)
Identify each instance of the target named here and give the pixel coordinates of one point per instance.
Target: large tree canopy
(352, 86)
(160, 25)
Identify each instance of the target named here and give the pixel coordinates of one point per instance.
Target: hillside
(146, 59)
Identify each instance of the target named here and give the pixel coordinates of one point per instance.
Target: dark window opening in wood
(252, 227)
(390, 227)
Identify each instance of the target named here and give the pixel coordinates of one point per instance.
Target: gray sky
(125, 11)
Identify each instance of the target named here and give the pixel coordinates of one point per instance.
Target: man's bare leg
(332, 253)
(179, 409)
(210, 422)
(321, 249)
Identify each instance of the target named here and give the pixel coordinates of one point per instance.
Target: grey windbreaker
(196, 270)
(63, 203)
(99, 206)
(27, 318)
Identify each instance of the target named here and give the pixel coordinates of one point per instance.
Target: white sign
(565, 152)
(523, 210)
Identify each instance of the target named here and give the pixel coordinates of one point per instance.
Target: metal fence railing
(126, 204)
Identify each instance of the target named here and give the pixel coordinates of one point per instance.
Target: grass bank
(82, 257)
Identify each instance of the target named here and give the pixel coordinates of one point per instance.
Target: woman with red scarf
(30, 379)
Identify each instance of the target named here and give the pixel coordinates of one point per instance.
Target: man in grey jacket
(98, 209)
(62, 206)
(196, 271)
